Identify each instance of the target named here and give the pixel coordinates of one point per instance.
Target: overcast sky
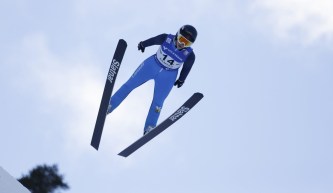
(264, 66)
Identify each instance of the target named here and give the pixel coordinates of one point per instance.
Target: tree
(43, 179)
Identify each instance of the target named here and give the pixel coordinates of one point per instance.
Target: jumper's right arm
(157, 40)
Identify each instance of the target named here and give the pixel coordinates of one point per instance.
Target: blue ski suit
(163, 68)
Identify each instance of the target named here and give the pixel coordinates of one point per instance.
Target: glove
(179, 83)
(141, 47)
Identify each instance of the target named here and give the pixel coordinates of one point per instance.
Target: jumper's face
(182, 42)
(179, 45)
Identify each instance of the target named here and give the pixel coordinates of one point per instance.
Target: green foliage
(43, 179)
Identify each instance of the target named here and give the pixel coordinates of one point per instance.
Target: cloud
(303, 20)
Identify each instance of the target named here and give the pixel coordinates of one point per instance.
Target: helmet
(186, 35)
(189, 32)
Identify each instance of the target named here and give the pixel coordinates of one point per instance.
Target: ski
(190, 103)
(110, 80)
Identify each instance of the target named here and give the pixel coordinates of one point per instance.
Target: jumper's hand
(141, 47)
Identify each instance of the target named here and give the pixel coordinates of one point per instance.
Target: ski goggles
(183, 41)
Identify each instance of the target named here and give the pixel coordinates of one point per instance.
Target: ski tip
(122, 41)
(199, 94)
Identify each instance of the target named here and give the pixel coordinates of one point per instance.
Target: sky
(264, 66)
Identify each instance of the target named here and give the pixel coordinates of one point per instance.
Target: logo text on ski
(113, 70)
(179, 113)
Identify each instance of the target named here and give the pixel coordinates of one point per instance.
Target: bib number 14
(167, 60)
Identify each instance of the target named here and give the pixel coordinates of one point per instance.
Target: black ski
(190, 103)
(112, 75)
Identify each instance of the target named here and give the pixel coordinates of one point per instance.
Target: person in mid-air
(174, 52)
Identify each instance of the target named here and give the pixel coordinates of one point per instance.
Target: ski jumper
(162, 67)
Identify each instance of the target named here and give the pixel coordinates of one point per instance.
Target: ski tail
(109, 84)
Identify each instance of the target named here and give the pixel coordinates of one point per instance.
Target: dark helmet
(189, 32)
